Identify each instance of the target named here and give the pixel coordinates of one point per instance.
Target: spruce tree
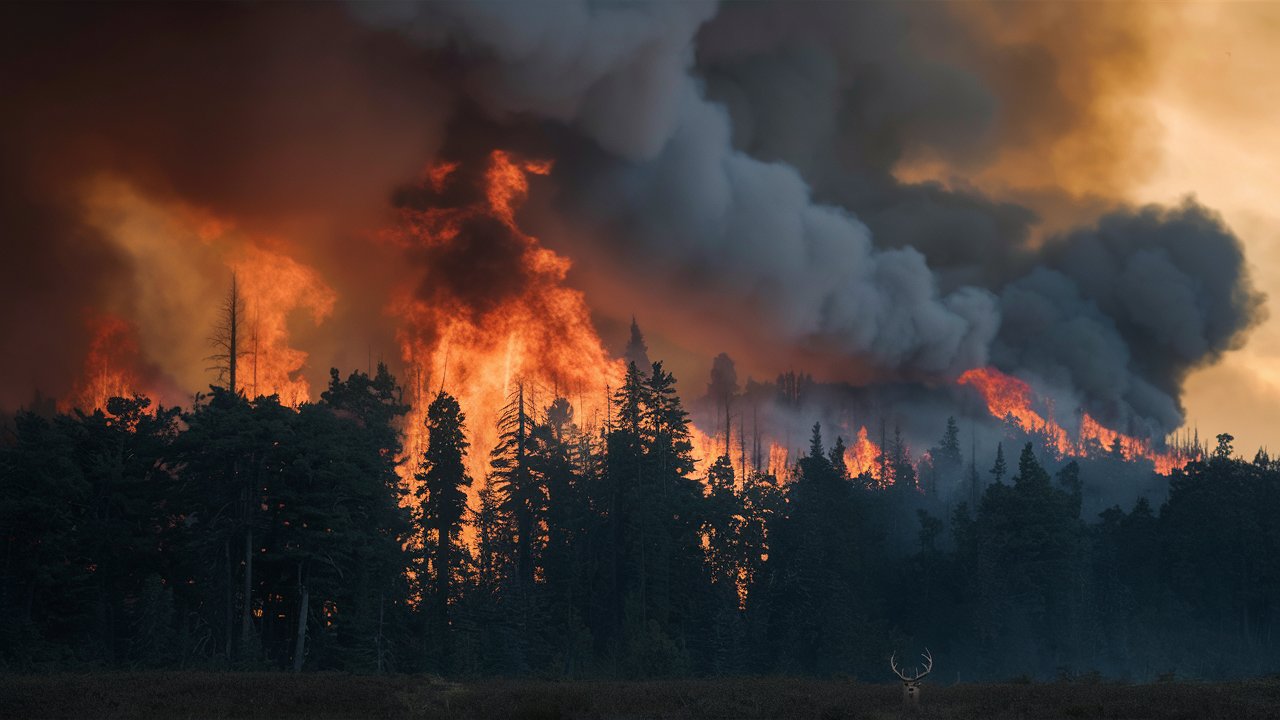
(998, 470)
(636, 352)
(442, 483)
(520, 491)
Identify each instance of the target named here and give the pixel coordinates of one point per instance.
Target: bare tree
(911, 685)
(226, 337)
(226, 341)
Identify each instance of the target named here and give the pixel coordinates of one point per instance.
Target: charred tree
(226, 338)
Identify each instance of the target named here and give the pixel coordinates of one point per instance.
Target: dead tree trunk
(246, 615)
(304, 603)
(230, 611)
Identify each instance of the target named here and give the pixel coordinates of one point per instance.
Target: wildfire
(540, 334)
(274, 286)
(779, 463)
(108, 373)
(706, 448)
(862, 456)
(1011, 399)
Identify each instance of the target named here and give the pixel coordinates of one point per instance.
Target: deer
(911, 685)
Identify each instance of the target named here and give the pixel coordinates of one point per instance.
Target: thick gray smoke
(659, 180)
(1123, 310)
(739, 166)
(1114, 315)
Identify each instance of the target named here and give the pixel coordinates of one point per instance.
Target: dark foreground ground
(262, 695)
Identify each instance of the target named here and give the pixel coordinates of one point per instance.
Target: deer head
(911, 684)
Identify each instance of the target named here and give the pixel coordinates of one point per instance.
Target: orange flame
(1010, 399)
(862, 456)
(542, 336)
(706, 448)
(274, 286)
(108, 366)
(779, 464)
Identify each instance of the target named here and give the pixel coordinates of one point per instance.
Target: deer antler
(928, 664)
(928, 667)
(894, 664)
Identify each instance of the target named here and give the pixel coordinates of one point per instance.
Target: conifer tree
(636, 352)
(837, 459)
(998, 470)
(521, 492)
(442, 498)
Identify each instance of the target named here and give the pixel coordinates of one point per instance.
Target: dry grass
(318, 696)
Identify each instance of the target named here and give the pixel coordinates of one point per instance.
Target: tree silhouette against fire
(245, 533)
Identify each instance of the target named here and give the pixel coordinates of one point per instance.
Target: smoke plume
(876, 193)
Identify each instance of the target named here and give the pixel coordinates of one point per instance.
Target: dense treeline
(248, 534)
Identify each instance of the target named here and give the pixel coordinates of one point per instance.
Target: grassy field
(263, 695)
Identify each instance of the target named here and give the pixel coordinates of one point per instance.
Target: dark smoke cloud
(846, 92)
(1124, 310)
(659, 178)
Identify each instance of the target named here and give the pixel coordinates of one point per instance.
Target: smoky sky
(730, 170)
(259, 113)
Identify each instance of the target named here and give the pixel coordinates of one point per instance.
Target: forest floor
(321, 695)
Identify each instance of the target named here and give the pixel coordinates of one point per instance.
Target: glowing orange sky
(1197, 118)
(1217, 102)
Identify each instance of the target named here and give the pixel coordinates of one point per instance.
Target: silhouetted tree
(442, 483)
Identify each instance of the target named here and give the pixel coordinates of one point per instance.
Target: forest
(248, 534)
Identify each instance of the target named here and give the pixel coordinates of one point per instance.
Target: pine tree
(1030, 471)
(375, 612)
(948, 452)
(722, 389)
(998, 470)
(719, 524)
(945, 459)
(520, 491)
(837, 459)
(975, 482)
(443, 480)
(901, 468)
(636, 352)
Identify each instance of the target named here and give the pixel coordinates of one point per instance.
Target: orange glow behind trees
(1011, 399)
(108, 366)
(541, 335)
(274, 286)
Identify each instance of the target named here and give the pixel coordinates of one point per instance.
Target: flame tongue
(1011, 399)
(275, 285)
(534, 329)
(108, 367)
(863, 456)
